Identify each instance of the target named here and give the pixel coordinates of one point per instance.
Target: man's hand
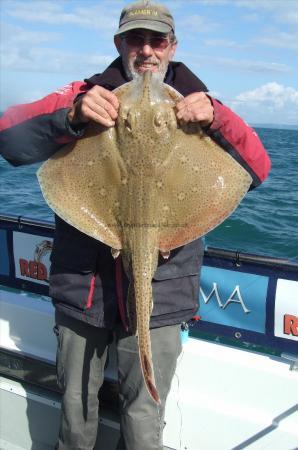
(98, 104)
(196, 107)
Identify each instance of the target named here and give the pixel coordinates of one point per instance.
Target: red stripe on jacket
(62, 98)
(243, 139)
(91, 293)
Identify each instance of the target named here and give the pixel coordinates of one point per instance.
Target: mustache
(139, 60)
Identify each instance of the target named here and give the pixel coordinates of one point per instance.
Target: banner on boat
(31, 257)
(254, 301)
(233, 299)
(286, 309)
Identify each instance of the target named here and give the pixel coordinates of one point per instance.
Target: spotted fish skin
(142, 262)
(140, 256)
(146, 129)
(143, 186)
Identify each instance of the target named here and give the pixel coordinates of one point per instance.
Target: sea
(265, 223)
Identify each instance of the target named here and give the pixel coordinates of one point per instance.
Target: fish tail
(147, 369)
(144, 257)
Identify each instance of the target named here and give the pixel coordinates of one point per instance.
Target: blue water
(265, 223)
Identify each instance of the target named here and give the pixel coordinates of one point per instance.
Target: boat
(236, 383)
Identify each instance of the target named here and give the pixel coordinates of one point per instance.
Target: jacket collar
(178, 76)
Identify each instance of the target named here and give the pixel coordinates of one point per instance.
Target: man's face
(143, 50)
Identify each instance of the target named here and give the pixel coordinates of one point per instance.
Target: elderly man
(85, 284)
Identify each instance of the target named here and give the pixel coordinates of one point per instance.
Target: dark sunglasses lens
(159, 42)
(135, 40)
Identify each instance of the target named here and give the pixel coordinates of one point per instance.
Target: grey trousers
(81, 356)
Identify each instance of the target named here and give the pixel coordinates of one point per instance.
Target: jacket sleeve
(240, 141)
(32, 132)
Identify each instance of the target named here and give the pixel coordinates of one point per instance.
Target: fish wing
(202, 186)
(81, 183)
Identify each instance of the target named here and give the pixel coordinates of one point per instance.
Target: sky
(245, 51)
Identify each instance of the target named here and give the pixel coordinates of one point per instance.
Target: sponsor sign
(4, 261)
(31, 257)
(286, 309)
(233, 299)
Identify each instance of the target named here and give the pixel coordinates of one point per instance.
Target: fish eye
(128, 121)
(158, 119)
(171, 120)
(127, 125)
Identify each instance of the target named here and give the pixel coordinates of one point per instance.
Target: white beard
(131, 73)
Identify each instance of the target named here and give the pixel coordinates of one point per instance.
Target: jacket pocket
(74, 288)
(183, 262)
(175, 295)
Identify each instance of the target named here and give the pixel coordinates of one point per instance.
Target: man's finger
(96, 104)
(99, 118)
(193, 114)
(195, 97)
(110, 97)
(108, 108)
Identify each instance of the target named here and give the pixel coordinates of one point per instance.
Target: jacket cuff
(76, 131)
(217, 121)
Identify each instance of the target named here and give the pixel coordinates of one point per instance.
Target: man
(85, 284)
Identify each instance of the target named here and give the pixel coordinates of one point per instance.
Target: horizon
(245, 51)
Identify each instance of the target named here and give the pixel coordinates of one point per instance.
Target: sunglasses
(157, 42)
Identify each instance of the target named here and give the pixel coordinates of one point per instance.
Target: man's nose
(146, 49)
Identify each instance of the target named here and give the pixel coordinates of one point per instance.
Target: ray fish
(145, 186)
